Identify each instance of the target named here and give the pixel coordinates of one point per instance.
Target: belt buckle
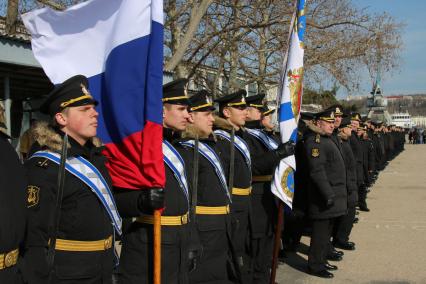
(10, 259)
(107, 243)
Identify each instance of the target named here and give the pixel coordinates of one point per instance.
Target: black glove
(151, 199)
(285, 149)
(330, 202)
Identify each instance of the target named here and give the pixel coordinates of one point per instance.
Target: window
(252, 89)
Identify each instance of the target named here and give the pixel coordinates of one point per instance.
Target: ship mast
(376, 85)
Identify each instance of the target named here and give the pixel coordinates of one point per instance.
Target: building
(22, 80)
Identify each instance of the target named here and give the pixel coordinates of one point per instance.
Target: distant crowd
(416, 136)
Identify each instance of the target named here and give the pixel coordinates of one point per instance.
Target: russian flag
(118, 45)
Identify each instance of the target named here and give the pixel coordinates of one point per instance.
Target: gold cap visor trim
(201, 106)
(175, 98)
(67, 103)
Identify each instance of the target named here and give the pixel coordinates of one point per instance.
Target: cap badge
(84, 90)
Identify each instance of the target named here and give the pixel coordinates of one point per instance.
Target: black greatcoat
(136, 263)
(240, 207)
(263, 162)
(13, 184)
(343, 225)
(212, 229)
(83, 217)
(371, 159)
(327, 177)
(357, 150)
(377, 150)
(365, 145)
(350, 164)
(263, 205)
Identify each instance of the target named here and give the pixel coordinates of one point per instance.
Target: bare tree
(247, 39)
(231, 40)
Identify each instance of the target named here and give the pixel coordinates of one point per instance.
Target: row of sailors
(217, 222)
(338, 157)
(219, 213)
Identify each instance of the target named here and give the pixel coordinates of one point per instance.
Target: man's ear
(226, 112)
(164, 112)
(61, 119)
(191, 117)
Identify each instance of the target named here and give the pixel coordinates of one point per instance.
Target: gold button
(10, 259)
(184, 219)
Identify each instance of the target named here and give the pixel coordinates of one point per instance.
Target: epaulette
(44, 163)
(317, 138)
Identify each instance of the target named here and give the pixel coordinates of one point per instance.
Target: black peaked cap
(73, 92)
(307, 115)
(337, 108)
(267, 111)
(201, 101)
(356, 116)
(346, 122)
(255, 101)
(175, 92)
(326, 115)
(234, 99)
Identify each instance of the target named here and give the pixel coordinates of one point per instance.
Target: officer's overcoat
(327, 176)
(82, 217)
(13, 185)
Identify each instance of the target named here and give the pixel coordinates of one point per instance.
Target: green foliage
(321, 97)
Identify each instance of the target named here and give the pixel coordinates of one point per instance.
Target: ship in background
(377, 106)
(403, 120)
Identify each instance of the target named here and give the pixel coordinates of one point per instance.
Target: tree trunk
(262, 60)
(12, 16)
(197, 14)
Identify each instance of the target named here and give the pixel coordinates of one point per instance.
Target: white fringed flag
(290, 100)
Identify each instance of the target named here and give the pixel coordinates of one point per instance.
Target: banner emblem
(287, 183)
(295, 77)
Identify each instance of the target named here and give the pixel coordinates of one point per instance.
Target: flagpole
(157, 246)
(280, 217)
(277, 243)
(285, 59)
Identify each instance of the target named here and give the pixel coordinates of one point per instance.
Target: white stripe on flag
(53, 34)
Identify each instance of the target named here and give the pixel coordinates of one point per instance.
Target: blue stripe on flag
(286, 111)
(123, 91)
(294, 135)
(301, 21)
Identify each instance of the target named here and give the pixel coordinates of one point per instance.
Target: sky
(411, 76)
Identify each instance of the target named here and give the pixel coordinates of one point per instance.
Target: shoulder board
(317, 138)
(43, 163)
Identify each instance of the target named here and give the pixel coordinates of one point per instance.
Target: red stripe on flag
(137, 162)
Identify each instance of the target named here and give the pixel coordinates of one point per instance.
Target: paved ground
(390, 239)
